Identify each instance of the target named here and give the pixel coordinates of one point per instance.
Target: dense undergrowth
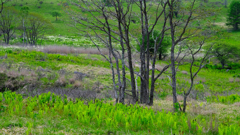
(132, 119)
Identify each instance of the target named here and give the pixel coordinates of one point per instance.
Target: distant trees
(233, 18)
(56, 14)
(225, 52)
(36, 27)
(8, 23)
(33, 25)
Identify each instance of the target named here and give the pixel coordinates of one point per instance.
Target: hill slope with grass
(64, 25)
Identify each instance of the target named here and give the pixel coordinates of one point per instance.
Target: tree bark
(173, 69)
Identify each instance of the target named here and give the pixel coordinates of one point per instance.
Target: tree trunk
(223, 64)
(236, 26)
(185, 103)
(174, 88)
(131, 73)
(225, 3)
(146, 96)
(176, 14)
(160, 56)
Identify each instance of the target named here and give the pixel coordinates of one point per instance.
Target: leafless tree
(182, 29)
(102, 26)
(111, 24)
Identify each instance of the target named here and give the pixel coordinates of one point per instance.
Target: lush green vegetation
(224, 99)
(107, 117)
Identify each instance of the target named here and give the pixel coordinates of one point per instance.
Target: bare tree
(182, 29)
(110, 24)
(101, 23)
(194, 47)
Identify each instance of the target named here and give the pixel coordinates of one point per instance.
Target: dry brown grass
(62, 81)
(195, 107)
(72, 50)
(237, 80)
(13, 74)
(198, 79)
(184, 72)
(231, 80)
(13, 131)
(2, 69)
(87, 69)
(77, 84)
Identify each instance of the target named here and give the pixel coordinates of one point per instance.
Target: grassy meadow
(64, 86)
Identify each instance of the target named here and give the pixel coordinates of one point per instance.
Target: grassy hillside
(63, 25)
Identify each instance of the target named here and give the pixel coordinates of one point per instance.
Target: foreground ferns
(115, 117)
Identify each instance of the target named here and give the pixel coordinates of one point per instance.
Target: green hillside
(64, 25)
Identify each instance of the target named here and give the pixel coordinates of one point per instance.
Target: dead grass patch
(195, 107)
(72, 50)
(87, 69)
(13, 131)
